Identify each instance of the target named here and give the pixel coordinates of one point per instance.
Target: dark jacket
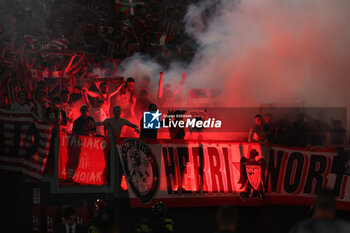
(83, 126)
(61, 228)
(321, 226)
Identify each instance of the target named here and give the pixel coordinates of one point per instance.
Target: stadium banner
(209, 173)
(83, 160)
(24, 144)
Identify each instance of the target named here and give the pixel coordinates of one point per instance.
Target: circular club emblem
(141, 169)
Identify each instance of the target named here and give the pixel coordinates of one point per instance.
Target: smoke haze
(271, 51)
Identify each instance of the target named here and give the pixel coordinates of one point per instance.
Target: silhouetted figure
(301, 131)
(323, 219)
(269, 128)
(148, 133)
(257, 132)
(337, 135)
(316, 137)
(177, 132)
(114, 125)
(85, 124)
(69, 225)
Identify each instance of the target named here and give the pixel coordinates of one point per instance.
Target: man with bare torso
(114, 125)
(105, 97)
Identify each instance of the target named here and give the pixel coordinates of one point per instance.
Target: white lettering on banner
(88, 177)
(224, 169)
(84, 160)
(97, 143)
(70, 173)
(84, 177)
(90, 143)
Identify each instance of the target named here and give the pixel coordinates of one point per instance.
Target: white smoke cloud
(272, 51)
(277, 51)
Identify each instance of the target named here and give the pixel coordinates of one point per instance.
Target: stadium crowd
(58, 59)
(59, 55)
(299, 133)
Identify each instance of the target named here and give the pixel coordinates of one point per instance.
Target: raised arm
(117, 90)
(160, 86)
(178, 89)
(128, 123)
(91, 93)
(86, 98)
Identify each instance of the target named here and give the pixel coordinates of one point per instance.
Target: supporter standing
(105, 97)
(269, 127)
(69, 225)
(176, 132)
(336, 136)
(165, 94)
(301, 130)
(114, 125)
(142, 103)
(316, 137)
(126, 99)
(84, 125)
(21, 104)
(257, 132)
(148, 133)
(66, 107)
(39, 104)
(323, 219)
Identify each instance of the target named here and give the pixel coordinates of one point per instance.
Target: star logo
(151, 120)
(156, 115)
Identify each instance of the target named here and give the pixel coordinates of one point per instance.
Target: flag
(127, 7)
(46, 74)
(59, 44)
(83, 160)
(12, 91)
(54, 79)
(24, 143)
(76, 65)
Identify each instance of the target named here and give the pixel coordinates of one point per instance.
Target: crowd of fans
(57, 56)
(299, 133)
